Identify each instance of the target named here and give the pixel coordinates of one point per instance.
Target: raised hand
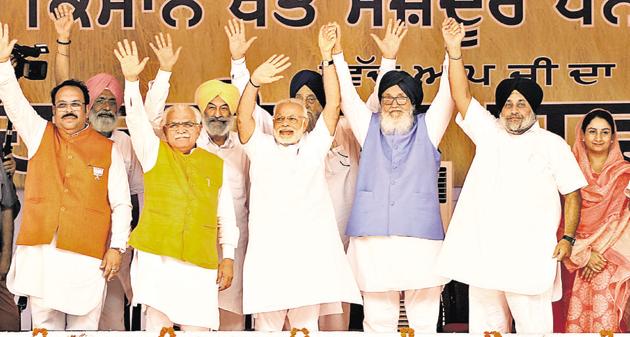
(164, 51)
(268, 72)
(326, 40)
(337, 48)
(63, 19)
(390, 43)
(127, 55)
(6, 45)
(453, 34)
(235, 31)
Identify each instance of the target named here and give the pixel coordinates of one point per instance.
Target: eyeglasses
(293, 120)
(519, 105)
(223, 108)
(310, 99)
(74, 105)
(175, 125)
(105, 101)
(400, 100)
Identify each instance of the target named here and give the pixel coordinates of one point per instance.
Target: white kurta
(233, 154)
(392, 263)
(132, 166)
(503, 231)
(65, 281)
(294, 257)
(184, 292)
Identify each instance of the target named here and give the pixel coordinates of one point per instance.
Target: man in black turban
(308, 87)
(502, 237)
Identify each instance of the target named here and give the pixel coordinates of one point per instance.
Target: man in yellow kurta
(176, 272)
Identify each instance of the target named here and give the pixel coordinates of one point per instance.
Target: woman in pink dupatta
(601, 255)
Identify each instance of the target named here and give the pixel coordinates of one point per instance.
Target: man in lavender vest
(395, 227)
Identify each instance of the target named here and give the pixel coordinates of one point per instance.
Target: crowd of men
(290, 217)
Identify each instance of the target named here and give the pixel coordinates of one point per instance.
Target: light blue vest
(397, 190)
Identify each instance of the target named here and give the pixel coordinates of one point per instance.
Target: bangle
(252, 83)
(65, 43)
(455, 58)
(62, 54)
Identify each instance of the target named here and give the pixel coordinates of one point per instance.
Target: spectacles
(400, 100)
(223, 108)
(310, 99)
(175, 125)
(293, 120)
(74, 105)
(105, 101)
(519, 105)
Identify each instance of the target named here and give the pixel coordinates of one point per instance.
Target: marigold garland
(167, 330)
(606, 333)
(37, 331)
(492, 334)
(404, 332)
(294, 332)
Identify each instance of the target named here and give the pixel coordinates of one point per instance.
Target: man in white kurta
(502, 235)
(186, 294)
(65, 289)
(295, 265)
(385, 266)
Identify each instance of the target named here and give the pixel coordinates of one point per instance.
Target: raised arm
(389, 46)
(352, 105)
(453, 35)
(27, 122)
(326, 41)
(265, 73)
(145, 142)
(239, 44)
(155, 100)
(63, 19)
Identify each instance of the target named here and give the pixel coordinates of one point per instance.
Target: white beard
(518, 129)
(396, 126)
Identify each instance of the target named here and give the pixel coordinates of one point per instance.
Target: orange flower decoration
(492, 334)
(606, 333)
(167, 330)
(294, 332)
(37, 331)
(404, 332)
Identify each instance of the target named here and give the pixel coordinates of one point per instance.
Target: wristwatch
(326, 63)
(568, 238)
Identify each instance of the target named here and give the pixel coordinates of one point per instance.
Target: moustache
(105, 114)
(221, 119)
(69, 114)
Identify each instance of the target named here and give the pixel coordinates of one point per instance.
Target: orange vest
(66, 193)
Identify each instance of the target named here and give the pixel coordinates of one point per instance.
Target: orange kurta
(66, 193)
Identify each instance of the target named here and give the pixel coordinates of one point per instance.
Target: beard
(396, 125)
(103, 121)
(519, 125)
(312, 119)
(218, 126)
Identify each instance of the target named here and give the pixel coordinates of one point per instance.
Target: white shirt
(295, 256)
(503, 231)
(377, 260)
(132, 166)
(66, 281)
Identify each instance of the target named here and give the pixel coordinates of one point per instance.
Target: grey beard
(103, 121)
(396, 126)
(521, 130)
(312, 120)
(218, 126)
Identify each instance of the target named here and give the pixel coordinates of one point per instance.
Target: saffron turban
(528, 88)
(98, 83)
(410, 86)
(209, 90)
(310, 79)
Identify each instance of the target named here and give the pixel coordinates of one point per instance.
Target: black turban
(528, 88)
(411, 87)
(310, 79)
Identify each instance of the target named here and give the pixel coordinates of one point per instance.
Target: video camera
(30, 69)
